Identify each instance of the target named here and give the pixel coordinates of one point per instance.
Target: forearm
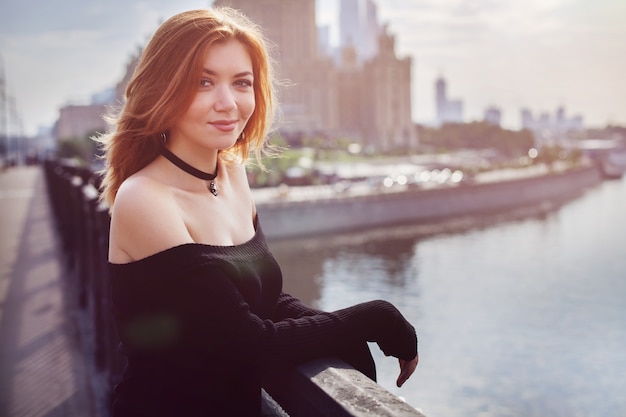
(288, 306)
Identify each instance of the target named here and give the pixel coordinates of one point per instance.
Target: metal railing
(83, 225)
(326, 387)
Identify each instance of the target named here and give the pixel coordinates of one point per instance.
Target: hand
(406, 369)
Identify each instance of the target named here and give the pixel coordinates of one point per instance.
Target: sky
(538, 54)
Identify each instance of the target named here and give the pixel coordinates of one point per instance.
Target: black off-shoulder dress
(200, 324)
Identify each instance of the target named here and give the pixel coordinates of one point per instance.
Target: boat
(609, 155)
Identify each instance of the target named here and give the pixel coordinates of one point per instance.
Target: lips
(224, 125)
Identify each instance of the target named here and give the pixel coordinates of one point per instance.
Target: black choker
(191, 170)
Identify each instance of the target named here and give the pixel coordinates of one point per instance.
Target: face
(224, 101)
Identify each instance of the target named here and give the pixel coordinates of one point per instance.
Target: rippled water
(516, 316)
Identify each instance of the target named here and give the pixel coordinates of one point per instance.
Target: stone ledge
(331, 387)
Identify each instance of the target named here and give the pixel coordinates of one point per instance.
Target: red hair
(164, 85)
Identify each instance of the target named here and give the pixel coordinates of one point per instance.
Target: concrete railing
(325, 387)
(331, 387)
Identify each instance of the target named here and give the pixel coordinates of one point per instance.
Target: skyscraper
(386, 90)
(448, 111)
(290, 26)
(359, 28)
(366, 97)
(441, 99)
(493, 115)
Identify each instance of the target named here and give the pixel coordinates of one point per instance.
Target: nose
(225, 99)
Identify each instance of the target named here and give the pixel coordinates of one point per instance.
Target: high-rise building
(386, 92)
(448, 111)
(548, 129)
(359, 28)
(77, 122)
(366, 97)
(493, 115)
(324, 46)
(291, 28)
(527, 119)
(441, 99)
(373, 30)
(290, 25)
(349, 103)
(350, 28)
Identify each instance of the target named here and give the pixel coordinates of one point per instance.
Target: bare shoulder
(238, 175)
(145, 220)
(236, 170)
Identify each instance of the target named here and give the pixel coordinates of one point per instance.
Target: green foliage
(477, 135)
(83, 150)
(550, 154)
(608, 132)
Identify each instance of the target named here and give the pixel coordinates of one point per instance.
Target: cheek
(248, 107)
(196, 109)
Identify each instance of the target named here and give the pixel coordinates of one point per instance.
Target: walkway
(43, 369)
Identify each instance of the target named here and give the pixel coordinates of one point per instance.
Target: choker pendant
(191, 170)
(213, 188)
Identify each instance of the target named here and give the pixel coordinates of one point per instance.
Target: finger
(404, 376)
(406, 370)
(403, 373)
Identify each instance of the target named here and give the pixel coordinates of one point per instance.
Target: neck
(207, 176)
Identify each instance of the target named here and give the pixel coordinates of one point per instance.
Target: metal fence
(320, 388)
(83, 225)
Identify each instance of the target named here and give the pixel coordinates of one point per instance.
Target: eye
(244, 82)
(205, 82)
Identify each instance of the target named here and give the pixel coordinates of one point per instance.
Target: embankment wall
(287, 219)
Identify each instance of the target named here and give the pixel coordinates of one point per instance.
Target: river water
(521, 314)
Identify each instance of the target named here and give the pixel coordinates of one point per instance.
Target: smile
(224, 125)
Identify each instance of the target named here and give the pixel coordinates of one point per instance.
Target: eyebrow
(238, 75)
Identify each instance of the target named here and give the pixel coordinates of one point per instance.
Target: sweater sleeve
(357, 354)
(288, 306)
(214, 317)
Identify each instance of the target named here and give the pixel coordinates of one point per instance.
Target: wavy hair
(164, 85)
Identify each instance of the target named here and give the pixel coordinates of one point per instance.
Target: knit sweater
(200, 324)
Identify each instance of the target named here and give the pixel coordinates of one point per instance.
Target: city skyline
(536, 55)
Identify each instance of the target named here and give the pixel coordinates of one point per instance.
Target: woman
(196, 294)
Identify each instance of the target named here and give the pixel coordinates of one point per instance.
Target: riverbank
(516, 315)
(287, 213)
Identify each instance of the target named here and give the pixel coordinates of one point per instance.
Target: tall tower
(448, 111)
(4, 136)
(366, 98)
(372, 30)
(386, 120)
(493, 115)
(350, 29)
(358, 27)
(441, 99)
(291, 28)
(290, 25)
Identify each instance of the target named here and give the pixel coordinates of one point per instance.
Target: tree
(477, 135)
(85, 150)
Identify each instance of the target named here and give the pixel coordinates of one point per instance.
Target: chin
(225, 145)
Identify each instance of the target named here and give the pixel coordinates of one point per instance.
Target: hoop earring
(163, 137)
